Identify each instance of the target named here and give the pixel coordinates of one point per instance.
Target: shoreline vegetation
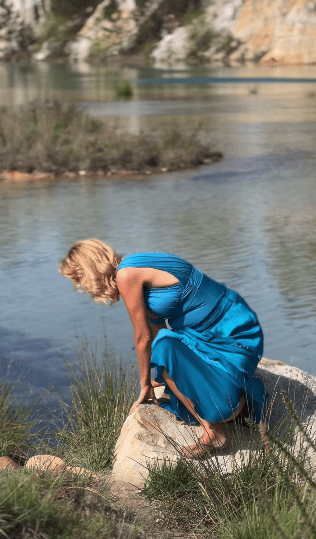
(272, 495)
(51, 141)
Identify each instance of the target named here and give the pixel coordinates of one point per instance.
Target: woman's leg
(238, 410)
(214, 434)
(156, 384)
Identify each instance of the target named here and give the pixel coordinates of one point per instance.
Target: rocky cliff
(281, 32)
(20, 21)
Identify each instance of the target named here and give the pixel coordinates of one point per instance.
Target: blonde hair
(92, 264)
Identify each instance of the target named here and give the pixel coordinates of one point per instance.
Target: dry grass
(58, 138)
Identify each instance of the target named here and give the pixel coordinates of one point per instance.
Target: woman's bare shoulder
(149, 277)
(128, 279)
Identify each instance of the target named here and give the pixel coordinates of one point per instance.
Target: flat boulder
(151, 435)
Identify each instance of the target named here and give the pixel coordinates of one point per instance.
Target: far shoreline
(13, 177)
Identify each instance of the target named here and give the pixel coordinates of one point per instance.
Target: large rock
(20, 25)
(109, 30)
(151, 435)
(281, 32)
(173, 47)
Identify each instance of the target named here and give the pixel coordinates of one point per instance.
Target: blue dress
(214, 345)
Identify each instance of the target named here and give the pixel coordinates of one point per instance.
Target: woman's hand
(146, 393)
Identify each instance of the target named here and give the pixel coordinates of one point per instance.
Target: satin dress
(214, 343)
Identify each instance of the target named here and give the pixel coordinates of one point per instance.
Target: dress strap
(181, 269)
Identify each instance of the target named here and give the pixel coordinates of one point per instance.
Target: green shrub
(124, 90)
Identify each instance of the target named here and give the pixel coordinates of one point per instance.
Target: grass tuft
(45, 506)
(102, 395)
(16, 425)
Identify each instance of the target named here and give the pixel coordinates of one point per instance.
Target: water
(248, 221)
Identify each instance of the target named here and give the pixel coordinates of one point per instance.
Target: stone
(109, 36)
(45, 463)
(19, 26)
(79, 49)
(44, 52)
(7, 463)
(56, 465)
(152, 435)
(173, 47)
(226, 15)
(299, 386)
(282, 33)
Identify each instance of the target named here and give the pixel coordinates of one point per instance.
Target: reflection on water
(248, 221)
(292, 242)
(21, 83)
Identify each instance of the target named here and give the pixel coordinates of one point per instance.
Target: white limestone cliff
(282, 32)
(20, 23)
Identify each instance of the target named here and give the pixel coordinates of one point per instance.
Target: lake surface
(248, 221)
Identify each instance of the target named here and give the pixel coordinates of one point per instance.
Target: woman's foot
(204, 444)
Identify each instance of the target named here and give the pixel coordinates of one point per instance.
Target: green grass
(273, 495)
(41, 505)
(54, 27)
(16, 425)
(102, 395)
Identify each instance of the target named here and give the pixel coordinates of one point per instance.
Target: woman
(206, 360)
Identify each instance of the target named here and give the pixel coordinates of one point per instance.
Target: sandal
(197, 450)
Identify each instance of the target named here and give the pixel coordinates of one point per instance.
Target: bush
(124, 90)
(55, 137)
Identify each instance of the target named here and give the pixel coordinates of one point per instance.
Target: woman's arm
(131, 284)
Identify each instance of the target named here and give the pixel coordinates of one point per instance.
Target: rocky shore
(164, 33)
